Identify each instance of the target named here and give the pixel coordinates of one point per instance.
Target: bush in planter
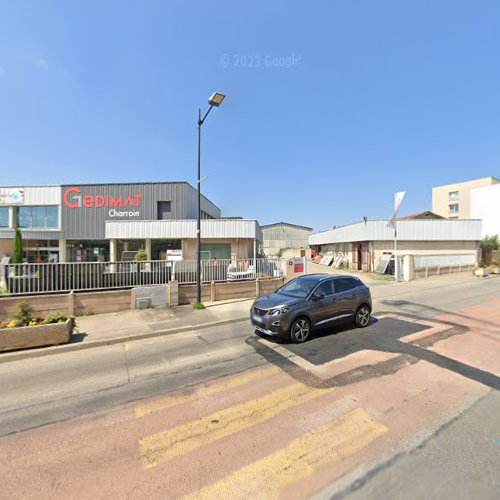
(23, 314)
(57, 317)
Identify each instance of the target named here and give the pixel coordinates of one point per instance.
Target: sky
(332, 106)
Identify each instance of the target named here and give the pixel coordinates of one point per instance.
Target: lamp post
(214, 100)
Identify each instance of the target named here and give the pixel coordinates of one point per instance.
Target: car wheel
(300, 330)
(362, 317)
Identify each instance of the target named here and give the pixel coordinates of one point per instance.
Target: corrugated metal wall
(281, 236)
(40, 195)
(86, 223)
(222, 228)
(410, 230)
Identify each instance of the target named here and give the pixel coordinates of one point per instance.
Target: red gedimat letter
(66, 197)
(137, 199)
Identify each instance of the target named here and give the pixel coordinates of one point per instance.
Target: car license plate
(257, 319)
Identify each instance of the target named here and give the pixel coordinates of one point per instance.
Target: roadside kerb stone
(37, 353)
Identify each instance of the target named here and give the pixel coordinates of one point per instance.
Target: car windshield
(299, 287)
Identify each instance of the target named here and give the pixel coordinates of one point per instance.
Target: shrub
(198, 305)
(56, 317)
(141, 255)
(24, 313)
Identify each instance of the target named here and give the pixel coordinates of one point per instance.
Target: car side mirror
(317, 296)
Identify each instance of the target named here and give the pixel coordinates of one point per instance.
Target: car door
(324, 310)
(346, 294)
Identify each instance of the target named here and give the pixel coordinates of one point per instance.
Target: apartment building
(453, 201)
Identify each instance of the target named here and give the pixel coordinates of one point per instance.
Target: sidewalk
(126, 326)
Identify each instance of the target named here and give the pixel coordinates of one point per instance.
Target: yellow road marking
(187, 437)
(267, 477)
(203, 390)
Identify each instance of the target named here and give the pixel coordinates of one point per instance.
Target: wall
(89, 223)
(242, 247)
(280, 236)
(423, 248)
(122, 300)
(98, 302)
(441, 201)
(485, 205)
(6, 247)
(228, 291)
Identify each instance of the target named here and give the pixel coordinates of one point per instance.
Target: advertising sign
(74, 198)
(174, 254)
(10, 196)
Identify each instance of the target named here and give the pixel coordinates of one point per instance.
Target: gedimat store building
(102, 222)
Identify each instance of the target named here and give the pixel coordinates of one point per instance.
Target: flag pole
(396, 262)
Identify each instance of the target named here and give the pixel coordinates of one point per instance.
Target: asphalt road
(424, 376)
(460, 460)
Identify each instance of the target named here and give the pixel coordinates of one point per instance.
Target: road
(223, 412)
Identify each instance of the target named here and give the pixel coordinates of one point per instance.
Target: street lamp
(214, 100)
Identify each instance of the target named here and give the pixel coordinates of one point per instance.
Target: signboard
(73, 198)
(299, 265)
(10, 196)
(174, 254)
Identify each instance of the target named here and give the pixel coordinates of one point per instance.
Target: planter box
(482, 272)
(35, 336)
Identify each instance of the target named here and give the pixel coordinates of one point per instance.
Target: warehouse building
(105, 222)
(363, 244)
(286, 240)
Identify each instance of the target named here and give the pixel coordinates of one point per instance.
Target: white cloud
(41, 63)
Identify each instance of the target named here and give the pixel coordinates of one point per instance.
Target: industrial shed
(286, 240)
(363, 243)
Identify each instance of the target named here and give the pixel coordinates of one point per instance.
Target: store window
(41, 251)
(38, 217)
(87, 251)
(4, 216)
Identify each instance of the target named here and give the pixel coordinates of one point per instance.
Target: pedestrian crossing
(333, 436)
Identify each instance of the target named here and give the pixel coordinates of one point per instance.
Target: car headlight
(277, 312)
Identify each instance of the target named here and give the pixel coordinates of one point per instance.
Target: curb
(46, 351)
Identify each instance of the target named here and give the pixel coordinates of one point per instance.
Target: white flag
(398, 198)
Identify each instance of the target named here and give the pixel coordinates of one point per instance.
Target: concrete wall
(6, 247)
(98, 302)
(485, 205)
(378, 248)
(228, 291)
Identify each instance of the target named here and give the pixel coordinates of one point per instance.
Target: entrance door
(365, 256)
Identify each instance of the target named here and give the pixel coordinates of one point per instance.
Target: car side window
(325, 288)
(345, 284)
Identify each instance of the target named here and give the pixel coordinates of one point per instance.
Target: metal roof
(408, 230)
(286, 224)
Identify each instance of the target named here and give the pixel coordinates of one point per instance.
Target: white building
(485, 205)
(364, 243)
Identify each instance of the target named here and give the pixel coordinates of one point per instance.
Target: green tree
(490, 241)
(17, 254)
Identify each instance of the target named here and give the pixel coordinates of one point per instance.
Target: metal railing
(28, 279)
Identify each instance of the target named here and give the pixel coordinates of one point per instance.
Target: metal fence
(28, 279)
(444, 260)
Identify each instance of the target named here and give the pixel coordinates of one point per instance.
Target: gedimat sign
(73, 198)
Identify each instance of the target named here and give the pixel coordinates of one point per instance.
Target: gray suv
(309, 301)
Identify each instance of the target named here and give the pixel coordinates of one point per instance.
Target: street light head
(215, 99)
